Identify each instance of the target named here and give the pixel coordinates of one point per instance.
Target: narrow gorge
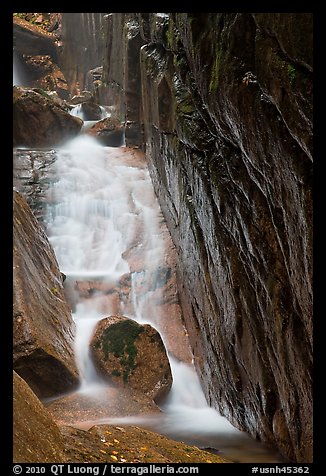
(163, 237)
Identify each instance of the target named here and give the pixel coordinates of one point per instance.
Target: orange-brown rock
(37, 438)
(108, 131)
(45, 74)
(30, 39)
(39, 122)
(83, 409)
(130, 444)
(43, 327)
(128, 353)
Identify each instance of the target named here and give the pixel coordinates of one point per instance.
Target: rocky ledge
(38, 439)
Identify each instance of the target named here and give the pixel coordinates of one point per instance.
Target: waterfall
(101, 206)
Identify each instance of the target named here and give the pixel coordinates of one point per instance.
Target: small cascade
(78, 112)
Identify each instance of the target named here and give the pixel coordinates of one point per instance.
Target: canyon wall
(83, 39)
(223, 104)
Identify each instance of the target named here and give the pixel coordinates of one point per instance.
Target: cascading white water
(100, 207)
(78, 112)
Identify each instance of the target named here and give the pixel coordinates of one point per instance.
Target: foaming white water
(77, 111)
(99, 208)
(86, 319)
(85, 226)
(186, 407)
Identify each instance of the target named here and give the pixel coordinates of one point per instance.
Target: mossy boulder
(130, 354)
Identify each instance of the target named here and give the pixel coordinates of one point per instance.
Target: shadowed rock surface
(43, 73)
(226, 104)
(42, 324)
(131, 354)
(109, 132)
(39, 122)
(30, 39)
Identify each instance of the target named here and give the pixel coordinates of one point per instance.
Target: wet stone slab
(32, 176)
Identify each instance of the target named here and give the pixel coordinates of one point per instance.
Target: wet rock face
(227, 111)
(42, 324)
(131, 354)
(122, 73)
(39, 122)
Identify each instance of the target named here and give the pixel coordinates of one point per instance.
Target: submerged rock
(39, 121)
(127, 353)
(80, 408)
(43, 328)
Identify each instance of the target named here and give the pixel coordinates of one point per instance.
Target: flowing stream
(102, 218)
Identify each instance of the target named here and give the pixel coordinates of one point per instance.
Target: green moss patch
(119, 340)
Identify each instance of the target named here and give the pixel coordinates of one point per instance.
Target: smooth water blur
(17, 76)
(100, 208)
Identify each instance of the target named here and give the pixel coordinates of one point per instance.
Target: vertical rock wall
(121, 73)
(226, 104)
(43, 328)
(83, 36)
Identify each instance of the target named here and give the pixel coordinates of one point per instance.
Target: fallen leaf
(119, 428)
(144, 448)
(116, 441)
(114, 458)
(115, 452)
(102, 451)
